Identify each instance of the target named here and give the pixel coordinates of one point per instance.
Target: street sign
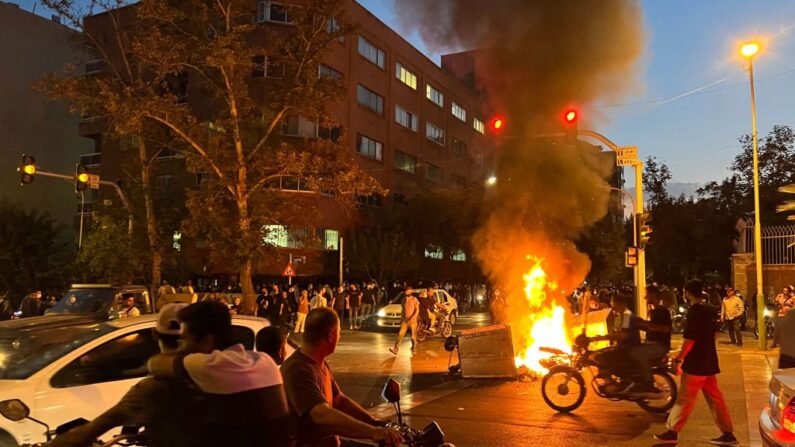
(299, 259)
(289, 271)
(93, 181)
(626, 156)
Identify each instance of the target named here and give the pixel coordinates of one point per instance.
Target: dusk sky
(690, 48)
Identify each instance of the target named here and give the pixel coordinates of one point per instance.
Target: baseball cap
(167, 322)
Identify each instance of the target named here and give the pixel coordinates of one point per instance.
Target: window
(458, 181)
(331, 239)
(324, 70)
(368, 147)
(275, 235)
(406, 76)
(406, 162)
(122, 358)
(434, 95)
(272, 12)
(371, 52)
(406, 119)
(459, 112)
(458, 147)
(370, 99)
(330, 133)
(274, 67)
(433, 173)
(434, 133)
(94, 66)
(298, 126)
(373, 200)
(258, 66)
(458, 255)
(177, 85)
(332, 25)
(434, 252)
(478, 125)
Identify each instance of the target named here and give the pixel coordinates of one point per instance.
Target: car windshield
(24, 353)
(84, 301)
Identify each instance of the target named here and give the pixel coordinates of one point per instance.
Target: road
(512, 413)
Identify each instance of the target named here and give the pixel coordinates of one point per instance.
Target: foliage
(34, 251)
(381, 254)
(110, 255)
(604, 242)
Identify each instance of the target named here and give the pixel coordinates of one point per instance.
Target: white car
(391, 315)
(777, 422)
(64, 371)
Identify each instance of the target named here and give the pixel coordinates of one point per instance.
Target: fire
(547, 323)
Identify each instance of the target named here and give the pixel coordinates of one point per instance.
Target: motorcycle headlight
(381, 313)
(681, 308)
(768, 313)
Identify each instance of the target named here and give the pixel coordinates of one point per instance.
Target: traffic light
(644, 230)
(27, 169)
(497, 124)
(81, 178)
(570, 118)
(631, 257)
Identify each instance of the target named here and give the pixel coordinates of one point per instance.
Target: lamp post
(748, 50)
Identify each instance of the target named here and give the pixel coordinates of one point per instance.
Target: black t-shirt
(308, 384)
(702, 360)
(355, 298)
(627, 322)
(368, 296)
(339, 301)
(662, 317)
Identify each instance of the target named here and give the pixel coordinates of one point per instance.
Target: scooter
(443, 327)
(770, 322)
(430, 436)
(15, 410)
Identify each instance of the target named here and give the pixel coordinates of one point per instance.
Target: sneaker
(725, 439)
(393, 350)
(647, 390)
(669, 437)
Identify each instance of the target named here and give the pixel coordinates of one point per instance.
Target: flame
(548, 326)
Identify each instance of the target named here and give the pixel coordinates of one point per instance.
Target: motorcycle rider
(141, 404)
(658, 340)
(428, 312)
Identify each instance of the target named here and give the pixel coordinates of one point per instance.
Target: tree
(119, 95)
(231, 135)
(110, 254)
(35, 251)
(381, 254)
(604, 243)
(655, 181)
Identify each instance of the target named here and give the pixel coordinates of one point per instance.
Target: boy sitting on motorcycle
(428, 306)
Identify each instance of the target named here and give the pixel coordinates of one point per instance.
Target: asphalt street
(513, 413)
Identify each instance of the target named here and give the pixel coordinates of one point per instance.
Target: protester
(318, 405)
(303, 310)
(698, 363)
(31, 305)
(785, 301)
(369, 299)
(319, 300)
(411, 311)
(237, 306)
(731, 311)
(165, 289)
(355, 302)
(6, 309)
(658, 337)
(499, 314)
(262, 302)
(272, 341)
(339, 302)
(784, 336)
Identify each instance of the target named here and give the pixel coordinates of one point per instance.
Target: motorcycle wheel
(563, 389)
(678, 325)
(771, 329)
(664, 382)
(422, 332)
(447, 330)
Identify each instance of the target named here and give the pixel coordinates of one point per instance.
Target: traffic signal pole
(122, 197)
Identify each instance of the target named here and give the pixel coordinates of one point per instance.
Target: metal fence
(778, 244)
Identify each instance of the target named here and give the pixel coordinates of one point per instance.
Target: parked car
(101, 301)
(64, 372)
(777, 422)
(390, 316)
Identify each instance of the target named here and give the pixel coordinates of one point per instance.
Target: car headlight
(768, 313)
(381, 313)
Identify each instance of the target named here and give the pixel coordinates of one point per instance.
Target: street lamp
(491, 181)
(748, 50)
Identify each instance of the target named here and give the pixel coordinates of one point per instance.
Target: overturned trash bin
(487, 352)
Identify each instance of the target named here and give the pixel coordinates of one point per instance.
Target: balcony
(90, 160)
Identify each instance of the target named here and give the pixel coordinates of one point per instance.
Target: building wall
(31, 46)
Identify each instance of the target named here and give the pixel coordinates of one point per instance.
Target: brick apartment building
(412, 125)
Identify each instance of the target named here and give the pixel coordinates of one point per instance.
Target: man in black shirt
(658, 340)
(317, 404)
(698, 362)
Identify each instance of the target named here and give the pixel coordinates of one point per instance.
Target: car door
(90, 381)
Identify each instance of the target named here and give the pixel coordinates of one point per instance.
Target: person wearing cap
(148, 402)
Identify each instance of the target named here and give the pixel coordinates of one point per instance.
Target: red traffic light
(497, 124)
(570, 116)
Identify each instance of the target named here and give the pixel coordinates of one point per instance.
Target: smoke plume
(533, 59)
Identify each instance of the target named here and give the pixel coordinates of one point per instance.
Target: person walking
(411, 312)
(319, 300)
(355, 302)
(303, 309)
(784, 336)
(731, 311)
(368, 299)
(339, 302)
(698, 364)
(498, 311)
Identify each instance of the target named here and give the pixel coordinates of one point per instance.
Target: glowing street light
(749, 49)
(491, 181)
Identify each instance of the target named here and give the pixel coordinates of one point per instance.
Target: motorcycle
(15, 410)
(443, 327)
(563, 387)
(770, 323)
(430, 436)
(678, 318)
